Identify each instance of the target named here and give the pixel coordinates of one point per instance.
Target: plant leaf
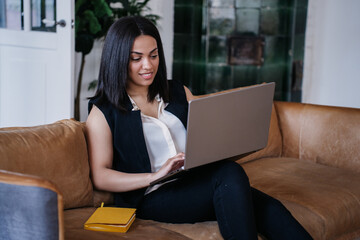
(93, 23)
(78, 5)
(101, 8)
(92, 84)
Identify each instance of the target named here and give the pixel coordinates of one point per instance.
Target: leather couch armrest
(30, 206)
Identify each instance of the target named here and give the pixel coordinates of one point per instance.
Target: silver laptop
(226, 125)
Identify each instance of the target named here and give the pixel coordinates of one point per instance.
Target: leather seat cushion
(140, 229)
(324, 199)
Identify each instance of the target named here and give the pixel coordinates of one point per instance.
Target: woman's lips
(146, 76)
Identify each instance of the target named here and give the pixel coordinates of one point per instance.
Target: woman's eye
(135, 59)
(154, 56)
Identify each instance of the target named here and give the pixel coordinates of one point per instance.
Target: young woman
(136, 134)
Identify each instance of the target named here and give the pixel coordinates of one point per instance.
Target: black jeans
(221, 192)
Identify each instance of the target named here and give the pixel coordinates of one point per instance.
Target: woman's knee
(231, 172)
(232, 168)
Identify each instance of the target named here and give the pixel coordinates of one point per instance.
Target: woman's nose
(147, 64)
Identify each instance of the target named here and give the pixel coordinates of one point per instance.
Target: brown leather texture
(324, 199)
(102, 197)
(289, 117)
(34, 181)
(331, 136)
(323, 134)
(56, 152)
(140, 229)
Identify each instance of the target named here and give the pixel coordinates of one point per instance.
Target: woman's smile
(146, 76)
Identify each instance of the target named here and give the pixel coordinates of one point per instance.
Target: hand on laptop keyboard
(172, 164)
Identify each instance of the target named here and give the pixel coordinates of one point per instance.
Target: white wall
(332, 53)
(163, 8)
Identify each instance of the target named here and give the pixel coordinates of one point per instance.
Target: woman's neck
(137, 92)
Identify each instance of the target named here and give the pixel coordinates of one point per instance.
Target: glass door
(11, 14)
(42, 14)
(36, 61)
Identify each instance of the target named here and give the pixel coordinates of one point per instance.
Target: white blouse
(165, 136)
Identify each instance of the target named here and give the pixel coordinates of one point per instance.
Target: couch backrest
(323, 134)
(289, 117)
(56, 152)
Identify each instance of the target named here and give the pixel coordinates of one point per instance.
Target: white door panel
(37, 71)
(17, 95)
(32, 39)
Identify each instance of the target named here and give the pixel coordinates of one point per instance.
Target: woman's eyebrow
(139, 53)
(153, 50)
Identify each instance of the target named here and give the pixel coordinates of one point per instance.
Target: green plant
(92, 20)
(132, 8)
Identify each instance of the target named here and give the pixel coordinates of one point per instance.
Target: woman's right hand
(170, 165)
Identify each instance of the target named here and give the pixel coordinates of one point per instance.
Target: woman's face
(144, 62)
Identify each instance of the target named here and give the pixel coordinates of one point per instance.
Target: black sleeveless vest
(129, 149)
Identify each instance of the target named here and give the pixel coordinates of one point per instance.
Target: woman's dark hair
(113, 74)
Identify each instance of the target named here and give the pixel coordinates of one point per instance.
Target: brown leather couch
(311, 164)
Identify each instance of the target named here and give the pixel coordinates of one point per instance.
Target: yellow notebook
(111, 219)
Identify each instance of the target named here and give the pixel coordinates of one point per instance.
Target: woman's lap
(221, 192)
(185, 200)
(218, 191)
